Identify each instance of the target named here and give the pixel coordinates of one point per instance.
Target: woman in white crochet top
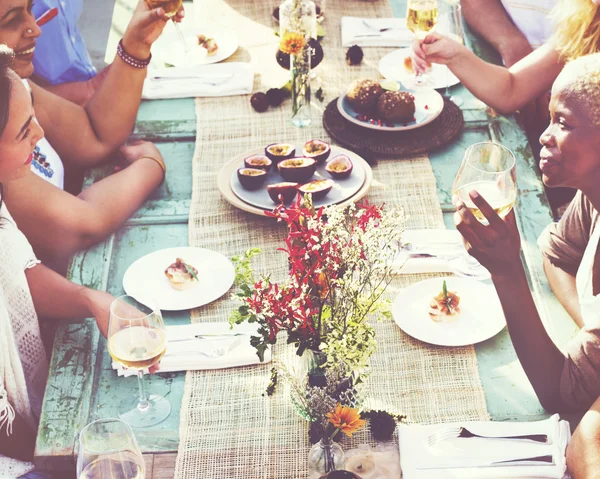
(27, 289)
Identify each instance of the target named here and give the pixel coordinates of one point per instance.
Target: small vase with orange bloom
(327, 455)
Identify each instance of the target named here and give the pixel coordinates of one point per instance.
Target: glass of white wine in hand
(489, 169)
(170, 7)
(136, 340)
(108, 449)
(421, 19)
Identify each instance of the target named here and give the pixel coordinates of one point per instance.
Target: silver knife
(209, 336)
(547, 460)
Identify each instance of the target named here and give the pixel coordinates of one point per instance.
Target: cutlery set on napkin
(218, 79)
(375, 32)
(205, 346)
(485, 450)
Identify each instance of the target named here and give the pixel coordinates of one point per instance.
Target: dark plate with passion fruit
(278, 172)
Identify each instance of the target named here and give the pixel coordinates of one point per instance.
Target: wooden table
(83, 387)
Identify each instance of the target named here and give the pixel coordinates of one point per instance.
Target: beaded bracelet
(131, 60)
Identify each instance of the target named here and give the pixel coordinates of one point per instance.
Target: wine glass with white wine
(136, 340)
(450, 24)
(421, 19)
(108, 449)
(170, 7)
(489, 169)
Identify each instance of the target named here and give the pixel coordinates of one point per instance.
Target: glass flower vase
(300, 66)
(324, 457)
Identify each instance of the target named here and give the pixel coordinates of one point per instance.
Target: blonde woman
(569, 379)
(508, 89)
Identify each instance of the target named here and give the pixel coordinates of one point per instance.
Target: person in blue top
(61, 55)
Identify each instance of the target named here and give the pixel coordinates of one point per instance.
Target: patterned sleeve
(564, 243)
(580, 379)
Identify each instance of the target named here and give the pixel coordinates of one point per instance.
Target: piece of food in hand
(363, 95)
(181, 275)
(444, 306)
(396, 106)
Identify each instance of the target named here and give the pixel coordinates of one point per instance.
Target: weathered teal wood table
(82, 386)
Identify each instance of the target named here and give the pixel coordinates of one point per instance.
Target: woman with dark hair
(28, 289)
(55, 222)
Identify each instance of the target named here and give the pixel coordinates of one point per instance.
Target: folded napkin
(440, 244)
(365, 32)
(186, 353)
(218, 79)
(467, 457)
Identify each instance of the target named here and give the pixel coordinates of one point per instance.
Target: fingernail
(474, 195)
(182, 13)
(160, 11)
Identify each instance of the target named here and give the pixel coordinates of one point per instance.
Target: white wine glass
(490, 169)
(170, 7)
(136, 340)
(450, 24)
(421, 19)
(108, 449)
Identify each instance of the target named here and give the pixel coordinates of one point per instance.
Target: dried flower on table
(319, 95)
(259, 102)
(354, 55)
(276, 96)
(382, 425)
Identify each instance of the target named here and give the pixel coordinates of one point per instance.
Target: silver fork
(453, 432)
(380, 30)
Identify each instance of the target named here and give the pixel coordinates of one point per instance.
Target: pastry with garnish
(445, 306)
(181, 275)
(363, 95)
(397, 106)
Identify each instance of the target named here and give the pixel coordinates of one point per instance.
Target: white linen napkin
(440, 243)
(219, 79)
(184, 352)
(365, 32)
(466, 458)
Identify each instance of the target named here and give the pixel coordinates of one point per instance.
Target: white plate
(428, 106)
(146, 276)
(480, 318)
(392, 67)
(169, 50)
(342, 188)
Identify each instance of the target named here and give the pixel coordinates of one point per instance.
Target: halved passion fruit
(318, 188)
(280, 151)
(317, 149)
(282, 192)
(297, 169)
(251, 178)
(258, 161)
(339, 166)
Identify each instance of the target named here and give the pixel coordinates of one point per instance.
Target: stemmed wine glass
(421, 18)
(136, 339)
(170, 7)
(490, 169)
(107, 448)
(450, 24)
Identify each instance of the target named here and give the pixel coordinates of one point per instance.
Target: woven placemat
(436, 134)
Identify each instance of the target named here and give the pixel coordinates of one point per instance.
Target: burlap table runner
(229, 427)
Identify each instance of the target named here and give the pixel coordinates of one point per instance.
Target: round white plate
(342, 189)
(146, 276)
(169, 50)
(480, 318)
(428, 106)
(392, 67)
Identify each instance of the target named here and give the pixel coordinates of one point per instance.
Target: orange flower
(292, 43)
(346, 419)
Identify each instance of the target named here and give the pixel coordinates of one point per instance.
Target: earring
(29, 31)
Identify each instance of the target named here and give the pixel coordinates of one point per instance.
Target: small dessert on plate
(396, 106)
(363, 95)
(445, 306)
(181, 275)
(208, 43)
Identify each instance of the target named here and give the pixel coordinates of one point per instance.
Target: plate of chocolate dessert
(368, 104)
